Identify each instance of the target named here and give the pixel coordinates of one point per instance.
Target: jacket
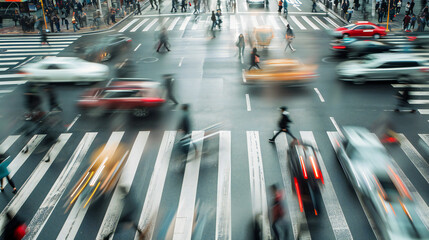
(3, 165)
(284, 120)
(253, 58)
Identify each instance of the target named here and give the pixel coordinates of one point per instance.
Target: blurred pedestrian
(280, 6)
(4, 172)
(139, 9)
(380, 12)
(16, 17)
(421, 24)
(407, 8)
(15, 228)
(52, 97)
(398, 6)
(44, 37)
(277, 214)
(84, 22)
(185, 125)
(313, 8)
(169, 85)
(163, 40)
(241, 45)
(57, 23)
(283, 124)
(406, 21)
(74, 22)
(412, 4)
(254, 59)
(349, 14)
(218, 19)
(413, 22)
(113, 15)
(214, 22)
(183, 6)
(403, 100)
(66, 21)
(173, 6)
(289, 38)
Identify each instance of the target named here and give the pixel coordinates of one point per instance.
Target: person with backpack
(254, 59)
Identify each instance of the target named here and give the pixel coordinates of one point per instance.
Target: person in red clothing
(406, 20)
(277, 214)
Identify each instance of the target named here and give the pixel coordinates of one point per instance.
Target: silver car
(385, 66)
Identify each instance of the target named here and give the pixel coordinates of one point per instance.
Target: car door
(383, 71)
(56, 72)
(357, 31)
(344, 153)
(368, 30)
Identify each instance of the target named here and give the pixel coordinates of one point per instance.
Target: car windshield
(350, 26)
(369, 59)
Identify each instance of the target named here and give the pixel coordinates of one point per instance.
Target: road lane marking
(12, 59)
(34, 50)
(3, 69)
(7, 143)
(400, 85)
(128, 25)
(332, 22)
(223, 209)
(295, 215)
(73, 122)
(181, 60)
(333, 208)
(8, 63)
(416, 93)
(31, 183)
(418, 101)
(333, 136)
(137, 47)
(150, 25)
(53, 197)
(310, 23)
(156, 185)
(116, 205)
(249, 108)
(173, 23)
(3, 83)
(75, 218)
(295, 20)
(414, 156)
(185, 23)
(26, 61)
(31, 54)
(163, 22)
(38, 46)
(319, 94)
(242, 76)
(423, 111)
(257, 182)
(336, 126)
(186, 208)
(139, 25)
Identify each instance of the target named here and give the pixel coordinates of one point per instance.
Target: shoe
(271, 140)
(14, 191)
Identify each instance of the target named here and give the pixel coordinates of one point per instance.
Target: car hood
(350, 65)
(340, 29)
(95, 67)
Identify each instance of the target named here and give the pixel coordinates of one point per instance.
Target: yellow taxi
(284, 71)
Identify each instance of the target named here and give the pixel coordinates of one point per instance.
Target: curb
(332, 13)
(145, 4)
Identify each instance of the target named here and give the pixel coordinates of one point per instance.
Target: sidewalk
(9, 27)
(394, 26)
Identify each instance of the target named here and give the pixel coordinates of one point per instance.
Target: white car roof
(394, 57)
(60, 60)
(362, 137)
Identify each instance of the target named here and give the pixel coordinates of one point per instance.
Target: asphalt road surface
(229, 181)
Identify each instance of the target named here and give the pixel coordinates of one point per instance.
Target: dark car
(106, 48)
(351, 47)
(306, 176)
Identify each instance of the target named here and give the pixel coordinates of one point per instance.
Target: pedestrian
(407, 8)
(289, 38)
(57, 23)
(66, 21)
(384, 7)
(185, 124)
(4, 172)
(113, 15)
(214, 23)
(16, 16)
(283, 124)
(398, 6)
(241, 45)
(254, 59)
(84, 20)
(169, 84)
(218, 19)
(52, 97)
(63, 15)
(406, 21)
(44, 38)
(280, 6)
(377, 6)
(392, 13)
(349, 14)
(139, 9)
(380, 14)
(15, 228)
(75, 26)
(313, 9)
(413, 22)
(183, 7)
(412, 6)
(173, 6)
(163, 40)
(403, 100)
(421, 24)
(277, 214)
(151, 4)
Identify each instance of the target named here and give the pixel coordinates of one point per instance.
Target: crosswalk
(149, 212)
(17, 51)
(419, 95)
(182, 22)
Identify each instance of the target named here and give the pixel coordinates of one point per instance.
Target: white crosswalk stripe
(185, 23)
(128, 25)
(310, 23)
(150, 25)
(173, 23)
(183, 221)
(332, 22)
(139, 25)
(321, 23)
(298, 23)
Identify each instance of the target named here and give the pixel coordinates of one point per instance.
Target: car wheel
(359, 80)
(376, 36)
(345, 35)
(141, 112)
(403, 79)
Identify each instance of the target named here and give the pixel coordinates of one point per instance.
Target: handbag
(189, 3)
(256, 59)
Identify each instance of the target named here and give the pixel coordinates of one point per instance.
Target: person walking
(289, 38)
(380, 12)
(412, 4)
(4, 172)
(185, 124)
(241, 45)
(398, 6)
(57, 23)
(280, 6)
(413, 22)
(283, 124)
(407, 8)
(277, 214)
(53, 103)
(173, 6)
(163, 40)
(183, 7)
(66, 21)
(139, 9)
(406, 21)
(74, 22)
(44, 38)
(214, 23)
(15, 228)
(152, 2)
(349, 14)
(218, 19)
(254, 59)
(313, 8)
(403, 100)
(169, 84)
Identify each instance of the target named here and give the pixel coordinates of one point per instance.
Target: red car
(138, 96)
(361, 29)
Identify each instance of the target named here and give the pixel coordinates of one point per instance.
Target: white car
(65, 69)
(385, 66)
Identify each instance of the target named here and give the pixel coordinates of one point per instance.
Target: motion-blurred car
(360, 29)
(64, 69)
(306, 175)
(256, 2)
(106, 48)
(101, 177)
(283, 71)
(385, 66)
(139, 96)
(352, 47)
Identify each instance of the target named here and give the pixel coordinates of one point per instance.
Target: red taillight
(339, 47)
(411, 38)
(153, 100)
(22, 72)
(425, 70)
(304, 170)
(129, 40)
(298, 193)
(315, 169)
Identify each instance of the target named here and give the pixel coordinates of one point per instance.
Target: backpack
(256, 59)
